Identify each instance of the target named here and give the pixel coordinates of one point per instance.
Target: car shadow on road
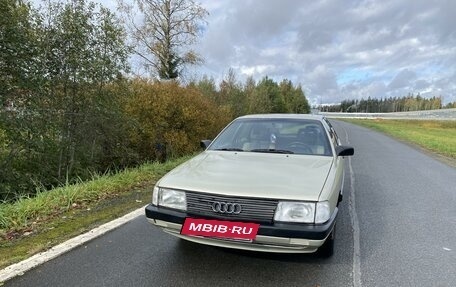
(230, 267)
(190, 247)
(283, 257)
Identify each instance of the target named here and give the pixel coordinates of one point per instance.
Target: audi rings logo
(226, 207)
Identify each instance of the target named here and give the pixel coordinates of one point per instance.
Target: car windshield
(287, 136)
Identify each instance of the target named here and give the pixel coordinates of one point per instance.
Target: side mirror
(205, 143)
(343, 150)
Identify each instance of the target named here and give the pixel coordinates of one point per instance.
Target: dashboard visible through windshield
(289, 136)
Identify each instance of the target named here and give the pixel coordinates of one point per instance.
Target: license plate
(219, 228)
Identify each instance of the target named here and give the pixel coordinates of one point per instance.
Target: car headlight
(323, 212)
(289, 211)
(170, 198)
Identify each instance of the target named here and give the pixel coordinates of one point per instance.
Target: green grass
(70, 224)
(436, 136)
(31, 225)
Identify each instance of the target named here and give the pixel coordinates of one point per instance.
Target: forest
(388, 105)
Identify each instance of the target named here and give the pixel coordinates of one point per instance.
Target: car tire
(327, 249)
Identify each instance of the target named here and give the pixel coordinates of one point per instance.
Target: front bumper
(277, 237)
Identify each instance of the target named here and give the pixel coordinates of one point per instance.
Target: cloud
(402, 80)
(337, 50)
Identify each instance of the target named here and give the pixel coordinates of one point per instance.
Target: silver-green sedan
(269, 182)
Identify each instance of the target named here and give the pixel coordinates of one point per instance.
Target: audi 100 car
(268, 182)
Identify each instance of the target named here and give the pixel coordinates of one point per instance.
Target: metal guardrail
(443, 114)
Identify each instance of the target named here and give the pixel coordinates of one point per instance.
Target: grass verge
(32, 225)
(435, 136)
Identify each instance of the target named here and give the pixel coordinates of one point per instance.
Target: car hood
(247, 174)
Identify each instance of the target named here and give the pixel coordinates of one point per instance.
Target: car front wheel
(327, 249)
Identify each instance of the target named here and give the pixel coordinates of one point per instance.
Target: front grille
(253, 209)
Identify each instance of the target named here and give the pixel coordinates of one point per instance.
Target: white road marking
(355, 224)
(20, 268)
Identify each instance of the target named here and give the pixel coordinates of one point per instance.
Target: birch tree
(162, 33)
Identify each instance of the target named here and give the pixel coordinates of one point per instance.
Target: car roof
(283, 116)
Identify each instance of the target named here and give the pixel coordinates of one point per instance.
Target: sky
(335, 49)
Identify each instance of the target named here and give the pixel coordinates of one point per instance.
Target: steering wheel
(301, 147)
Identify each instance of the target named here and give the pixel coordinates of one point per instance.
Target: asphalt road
(397, 227)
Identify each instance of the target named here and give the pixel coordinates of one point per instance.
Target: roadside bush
(170, 120)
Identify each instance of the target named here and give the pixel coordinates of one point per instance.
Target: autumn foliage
(169, 119)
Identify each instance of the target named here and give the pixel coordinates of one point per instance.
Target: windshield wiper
(272, 150)
(230, 149)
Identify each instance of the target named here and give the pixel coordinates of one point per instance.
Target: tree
(231, 94)
(19, 82)
(171, 119)
(207, 87)
(386, 105)
(164, 34)
(450, 105)
(84, 50)
(294, 98)
(266, 98)
(249, 91)
(59, 116)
